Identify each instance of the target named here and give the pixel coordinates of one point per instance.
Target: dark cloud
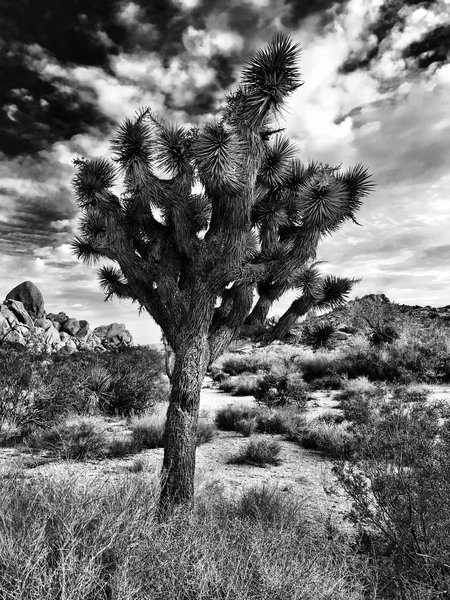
(35, 109)
(436, 255)
(33, 221)
(433, 47)
(390, 15)
(82, 32)
(35, 112)
(297, 10)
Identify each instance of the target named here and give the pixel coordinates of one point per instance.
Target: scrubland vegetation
(389, 443)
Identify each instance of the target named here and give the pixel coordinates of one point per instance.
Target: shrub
(147, 432)
(245, 385)
(259, 453)
(360, 400)
(236, 364)
(411, 393)
(77, 438)
(318, 335)
(206, 431)
(318, 366)
(327, 382)
(399, 483)
(246, 426)
(271, 421)
(267, 504)
(333, 439)
(226, 418)
(273, 391)
(227, 385)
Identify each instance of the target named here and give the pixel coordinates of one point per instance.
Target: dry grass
(96, 541)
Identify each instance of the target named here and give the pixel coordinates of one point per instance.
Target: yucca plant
(206, 217)
(318, 335)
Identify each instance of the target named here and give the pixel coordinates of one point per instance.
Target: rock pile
(23, 320)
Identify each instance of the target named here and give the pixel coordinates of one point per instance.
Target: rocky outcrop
(54, 332)
(30, 296)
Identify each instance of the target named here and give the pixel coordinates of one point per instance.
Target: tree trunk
(259, 313)
(297, 309)
(177, 485)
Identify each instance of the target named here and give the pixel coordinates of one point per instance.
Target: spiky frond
(269, 77)
(112, 282)
(318, 335)
(359, 183)
(92, 224)
(219, 154)
(323, 203)
(276, 162)
(93, 180)
(311, 283)
(173, 149)
(268, 212)
(132, 149)
(85, 250)
(298, 174)
(199, 211)
(335, 291)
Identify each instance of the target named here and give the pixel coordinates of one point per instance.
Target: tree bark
(297, 309)
(177, 485)
(259, 313)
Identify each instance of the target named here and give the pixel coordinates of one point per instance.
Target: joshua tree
(206, 216)
(317, 293)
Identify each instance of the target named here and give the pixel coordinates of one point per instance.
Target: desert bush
(226, 418)
(147, 432)
(360, 399)
(334, 439)
(259, 453)
(76, 438)
(72, 539)
(327, 382)
(399, 482)
(274, 391)
(267, 504)
(411, 392)
(320, 365)
(245, 385)
(246, 426)
(241, 385)
(227, 385)
(206, 431)
(318, 335)
(236, 364)
(18, 368)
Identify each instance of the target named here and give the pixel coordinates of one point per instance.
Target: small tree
(207, 216)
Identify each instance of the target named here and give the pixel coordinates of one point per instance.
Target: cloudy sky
(377, 91)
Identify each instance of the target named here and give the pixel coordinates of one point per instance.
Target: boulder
(56, 325)
(51, 336)
(8, 315)
(43, 323)
(30, 296)
(84, 331)
(114, 335)
(61, 317)
(64, 337)
(16, 307)
(15, 337)
(67, 349)
(71, 326)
